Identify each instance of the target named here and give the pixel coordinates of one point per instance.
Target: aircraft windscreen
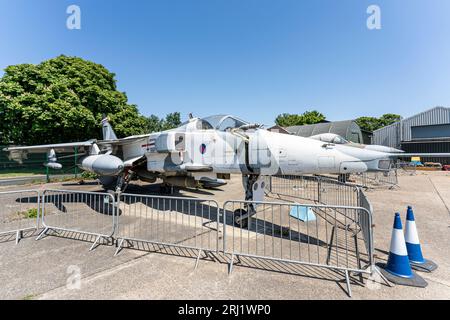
(340, 140)
(224, 122)
(200, 124)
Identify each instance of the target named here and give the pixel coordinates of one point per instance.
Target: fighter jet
(337, 139)
(204, 152)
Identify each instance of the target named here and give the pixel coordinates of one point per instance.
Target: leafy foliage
(62, 99)
(372, 123)
(171, 121)
(87, 175)
(308, 117)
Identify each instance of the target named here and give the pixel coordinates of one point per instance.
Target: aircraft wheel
(237, 214)
(165, 189)
(113, 194)
(108, 183)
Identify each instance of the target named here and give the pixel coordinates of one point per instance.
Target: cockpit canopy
(224, 122)
(330, 138)
(215, 122)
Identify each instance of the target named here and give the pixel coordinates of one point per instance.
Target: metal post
(76, 160)
(319, 187)
(47, 177)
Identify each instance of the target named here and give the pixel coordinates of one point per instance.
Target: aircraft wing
(58, 147)
(431, 155)
(123, 141)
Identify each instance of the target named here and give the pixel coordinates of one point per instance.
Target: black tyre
(243, 223)
(108, 183)
(165, 189)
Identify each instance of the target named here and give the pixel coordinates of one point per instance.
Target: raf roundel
(202, 148)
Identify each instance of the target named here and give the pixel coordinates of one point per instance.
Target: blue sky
(251, 58)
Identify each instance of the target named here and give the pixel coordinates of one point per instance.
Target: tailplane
(108, 132)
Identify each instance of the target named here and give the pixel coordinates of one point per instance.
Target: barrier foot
(347, 280)
(361, 278)
(130, 243)
(198, 259)
(376, 270)
(43, 233)
(119, 247)
(95, 244)
(330, 247)
(19, 235)
(230, 265)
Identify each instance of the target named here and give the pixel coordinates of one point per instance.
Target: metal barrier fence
(366, 226)
(333, 192)
(171, 221)
(374, 180)
(313, 234)
(90, 213)
(19, 212)
(309, 234)
(318, 189)
(300, 187)
(405, 167)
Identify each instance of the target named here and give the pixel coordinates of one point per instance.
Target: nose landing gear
(254, 191)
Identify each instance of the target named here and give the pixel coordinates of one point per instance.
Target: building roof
(337, 127)
(277, 128)
(435, 112)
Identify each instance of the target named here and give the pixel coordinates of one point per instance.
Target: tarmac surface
(46, 269)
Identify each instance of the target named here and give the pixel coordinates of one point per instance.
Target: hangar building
(348, 129)
(426, 132)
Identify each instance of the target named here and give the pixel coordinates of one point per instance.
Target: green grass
(29, 214)
(30, 172)
(20, 172)
(88, 175)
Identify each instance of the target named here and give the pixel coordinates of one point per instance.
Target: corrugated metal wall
(387, 136)
(438, 115)
(390, 135)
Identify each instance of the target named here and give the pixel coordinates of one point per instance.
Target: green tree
(372, 123)
(308, 117)
(368, 123)
(172, 120)
(62, 99)
(153, 123)
(389, 118)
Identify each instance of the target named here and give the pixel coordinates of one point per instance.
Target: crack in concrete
(439, 194)
(99, 273)
(432, 279)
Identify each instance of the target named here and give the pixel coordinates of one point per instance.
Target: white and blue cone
(416, 259)
(398, 270)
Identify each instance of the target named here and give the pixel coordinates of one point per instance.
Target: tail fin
(108, 132)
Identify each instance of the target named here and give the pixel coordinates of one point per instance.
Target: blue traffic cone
(416, 259)
(397, 269)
